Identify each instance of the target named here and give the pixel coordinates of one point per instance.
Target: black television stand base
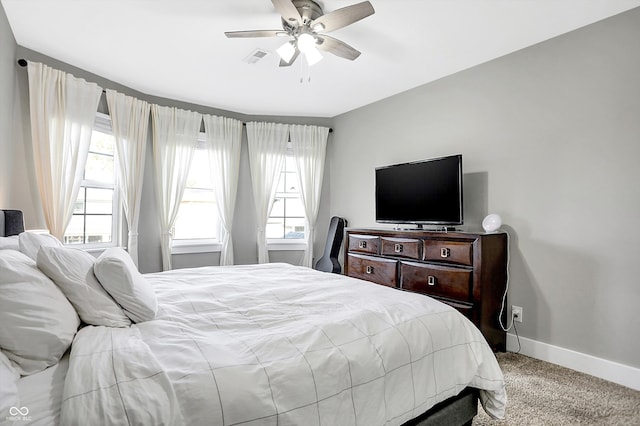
(420, 227)
(447, 229)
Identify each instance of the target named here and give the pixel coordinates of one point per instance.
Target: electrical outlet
(516, 313)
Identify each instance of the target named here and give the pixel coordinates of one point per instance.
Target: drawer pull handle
(362, 244)
(431, 280)
(445, 252)
(369, 269)
(398, 248)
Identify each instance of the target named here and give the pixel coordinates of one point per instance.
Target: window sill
(286, 244)
(195, 246)
(92, 248)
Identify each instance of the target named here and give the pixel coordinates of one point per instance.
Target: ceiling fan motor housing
(308, 9)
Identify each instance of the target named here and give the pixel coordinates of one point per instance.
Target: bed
(268, 344)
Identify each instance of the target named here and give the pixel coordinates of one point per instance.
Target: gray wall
(550, 138)
(7, 79)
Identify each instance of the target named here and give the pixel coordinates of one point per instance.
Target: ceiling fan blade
(255, 33)
(342, 17)
(288, 11)
(284, 63)
(337, 47)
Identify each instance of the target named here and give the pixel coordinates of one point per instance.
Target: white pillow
(37, 323)
(72, 271)
(9, 243)
(119, 276)
(30, 243)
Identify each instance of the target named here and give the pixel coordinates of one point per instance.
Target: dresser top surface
(422, 233)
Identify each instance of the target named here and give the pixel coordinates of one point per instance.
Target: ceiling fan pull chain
(302, 61)
(305, 70)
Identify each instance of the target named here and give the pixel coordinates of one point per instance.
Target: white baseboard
(598, 367)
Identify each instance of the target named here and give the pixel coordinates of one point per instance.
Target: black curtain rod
(330, 128)
(23, 63)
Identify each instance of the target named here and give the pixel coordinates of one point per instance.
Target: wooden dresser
(465, 270)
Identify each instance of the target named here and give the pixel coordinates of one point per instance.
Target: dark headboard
(13, 222)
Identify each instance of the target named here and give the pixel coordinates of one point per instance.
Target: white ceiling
(176, 48)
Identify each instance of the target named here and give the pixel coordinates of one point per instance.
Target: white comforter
(276, 344)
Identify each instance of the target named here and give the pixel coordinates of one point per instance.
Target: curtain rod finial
(22, 62)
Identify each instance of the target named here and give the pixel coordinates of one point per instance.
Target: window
(287, 218)
(95, 217)
(198, 218)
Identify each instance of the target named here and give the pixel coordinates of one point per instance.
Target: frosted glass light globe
(492, 222)
(306, 42)
(286, 51)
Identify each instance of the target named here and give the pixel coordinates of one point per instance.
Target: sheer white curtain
(309, 145)
(267, 152)
(63, 111)
(224, 136)
(175, 136)
(130, 122)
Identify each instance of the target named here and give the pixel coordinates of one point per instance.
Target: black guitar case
(13, 223)
(329, 261)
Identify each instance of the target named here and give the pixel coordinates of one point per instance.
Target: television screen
(422, 192)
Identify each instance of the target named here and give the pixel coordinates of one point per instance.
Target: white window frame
(201, 245)
(103, 124)
(288, 244)
(198, 245)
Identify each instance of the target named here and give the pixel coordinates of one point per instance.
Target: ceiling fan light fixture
(286, 51)
(306, 42)
(313, 56)
(306, 22)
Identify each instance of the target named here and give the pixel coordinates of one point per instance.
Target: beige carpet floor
(540, 393)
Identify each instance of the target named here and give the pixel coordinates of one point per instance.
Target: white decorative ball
(492, 222)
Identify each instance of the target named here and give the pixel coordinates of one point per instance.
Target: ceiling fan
(306, 23)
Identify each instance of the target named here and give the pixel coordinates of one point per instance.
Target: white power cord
(504, 298)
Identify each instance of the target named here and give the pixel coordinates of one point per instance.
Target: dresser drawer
(404, 247)
(452, 283)
(375, 269)
(364, 243)
(458, 252)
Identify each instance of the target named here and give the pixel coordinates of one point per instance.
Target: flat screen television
(425, 192)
